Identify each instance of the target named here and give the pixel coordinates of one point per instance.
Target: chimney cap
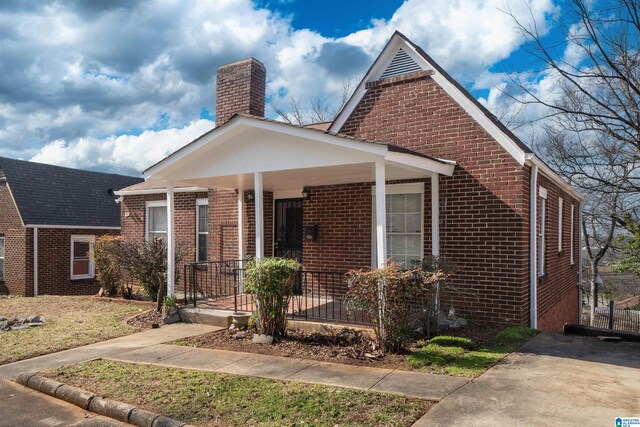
(242, 61)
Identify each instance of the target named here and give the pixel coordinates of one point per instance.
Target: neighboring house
(49, 219)
(412, 167)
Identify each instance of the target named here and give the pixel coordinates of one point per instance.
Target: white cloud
(75, 74)
(129, 154)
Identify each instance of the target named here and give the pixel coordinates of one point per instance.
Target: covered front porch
(329, 201)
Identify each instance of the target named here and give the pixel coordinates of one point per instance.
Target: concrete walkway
(414, 384)
(147, 347)
(107, 348)
(554, 379)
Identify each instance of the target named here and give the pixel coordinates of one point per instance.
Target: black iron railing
(319, 295)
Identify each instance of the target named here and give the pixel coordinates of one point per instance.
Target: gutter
(533, 247)
(580, 237)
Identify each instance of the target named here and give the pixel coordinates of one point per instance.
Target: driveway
(554, 379)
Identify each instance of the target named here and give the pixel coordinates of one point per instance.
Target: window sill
(82, 277)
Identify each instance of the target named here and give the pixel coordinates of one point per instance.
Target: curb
(91, 402)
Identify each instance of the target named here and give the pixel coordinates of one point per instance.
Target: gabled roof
(399, 54)
(48, 195)
(286, 127)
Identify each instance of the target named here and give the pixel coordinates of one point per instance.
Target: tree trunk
(594, 289)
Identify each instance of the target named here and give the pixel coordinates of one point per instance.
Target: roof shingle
(59, 196)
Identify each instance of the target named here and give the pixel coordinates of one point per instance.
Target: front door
(288, 229)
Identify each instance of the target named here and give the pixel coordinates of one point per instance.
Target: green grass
(462, 357)
(72, 322)
(208, 399)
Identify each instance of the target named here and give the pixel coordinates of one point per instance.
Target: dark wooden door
(288, 229)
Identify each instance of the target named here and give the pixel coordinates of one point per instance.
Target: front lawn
(72, 322)
(211, 399)
(461, 356)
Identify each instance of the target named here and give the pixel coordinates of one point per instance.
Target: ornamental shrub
(271, 281)
(391, 297)
(109, 271)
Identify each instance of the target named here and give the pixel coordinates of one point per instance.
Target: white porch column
(35, 261)
(435, 215)
(257, 188)
(240, 224)
(381, 215)
(171, 242)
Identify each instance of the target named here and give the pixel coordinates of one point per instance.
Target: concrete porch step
(213, 317)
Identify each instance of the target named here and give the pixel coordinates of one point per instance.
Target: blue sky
(116, 85)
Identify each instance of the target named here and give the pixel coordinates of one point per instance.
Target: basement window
(82, 257)
(1, 257)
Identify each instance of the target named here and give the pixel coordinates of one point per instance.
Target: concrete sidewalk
(414, 384)
(103, 349)
(147, 347)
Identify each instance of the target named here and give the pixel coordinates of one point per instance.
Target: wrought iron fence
(608, 317)
(318, 295)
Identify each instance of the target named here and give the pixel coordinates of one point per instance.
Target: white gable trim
(470, 108)
(240, 124)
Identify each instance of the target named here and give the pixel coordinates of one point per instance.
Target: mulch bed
(339, 345)
(145, 320)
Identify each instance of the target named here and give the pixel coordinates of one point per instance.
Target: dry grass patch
(211, 399)
(72, 322)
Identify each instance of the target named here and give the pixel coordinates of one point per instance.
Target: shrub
(390, 296)
(111, 266)
(271, 281)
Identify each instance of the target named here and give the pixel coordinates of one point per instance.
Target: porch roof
(289, 157)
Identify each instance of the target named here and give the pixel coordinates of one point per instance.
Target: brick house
(49, 219)
(413, 166)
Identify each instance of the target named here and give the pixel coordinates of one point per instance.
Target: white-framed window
(202, 229)
(572, 230)
(405, 223)
(82, 257)
(156, 220)
(2, 252)
(542, 244)
(560, 217)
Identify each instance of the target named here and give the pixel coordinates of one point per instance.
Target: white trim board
(143, 192)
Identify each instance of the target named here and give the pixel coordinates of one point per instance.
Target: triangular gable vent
(401, 64)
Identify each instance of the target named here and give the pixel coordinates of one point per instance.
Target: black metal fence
(319, 295)
(608, 317)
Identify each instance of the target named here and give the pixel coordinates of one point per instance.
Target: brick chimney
(240, 88)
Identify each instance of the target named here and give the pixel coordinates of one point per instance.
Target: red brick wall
(558, 287)
(223, 222)
(15, 235)
(484, 206)
(54, 262)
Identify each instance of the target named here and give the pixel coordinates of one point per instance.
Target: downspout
(35, 261)
(580, 237)
(533, 247)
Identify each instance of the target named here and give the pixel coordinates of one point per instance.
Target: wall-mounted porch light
(249, 196)
(306, 193)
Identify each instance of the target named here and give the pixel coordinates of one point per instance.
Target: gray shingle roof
(54, 195)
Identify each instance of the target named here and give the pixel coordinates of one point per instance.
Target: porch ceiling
(289, 157)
